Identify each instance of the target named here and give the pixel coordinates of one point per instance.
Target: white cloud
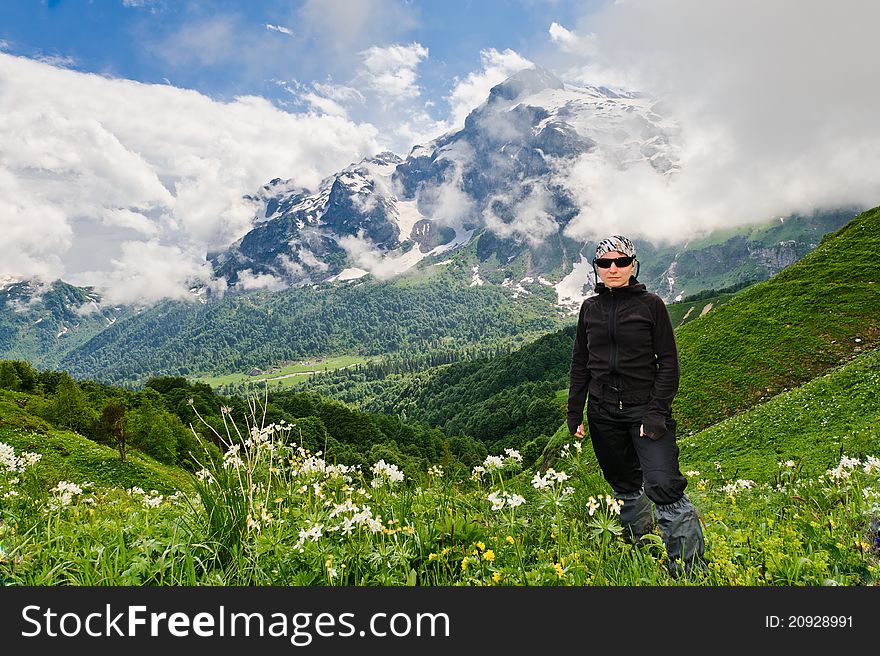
(168, 163)
(279, 28)
(247, 279)
(530, 218)
(570, 42)
(211, 41)
(391, 71)
(148, 272)
(339, 29)
(474, 88)
(777, 103)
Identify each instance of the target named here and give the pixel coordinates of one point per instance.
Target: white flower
(738, 485)
(497, 501)
(29, 459)
(872, 464)
(540, 482)
(493, 462)
(514, 500)
(386, 473)
(513, 456)
(64, 492)
(7, 457)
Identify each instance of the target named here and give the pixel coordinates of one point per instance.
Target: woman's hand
(580, 432)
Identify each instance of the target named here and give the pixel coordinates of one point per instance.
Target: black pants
(629, 461)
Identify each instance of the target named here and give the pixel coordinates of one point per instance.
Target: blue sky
(228, 48)
(130, 130)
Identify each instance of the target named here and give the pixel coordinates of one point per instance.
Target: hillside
(781, 333)
(66, 455)
(262, 328)
(811, 426)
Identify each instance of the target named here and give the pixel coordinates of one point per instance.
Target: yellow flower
(559, 571)
(510, 539)
(489, 555)
(481, 545)
(432, 556)
(496, 577)
(464, 564)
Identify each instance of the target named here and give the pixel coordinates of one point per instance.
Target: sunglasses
(606, 262)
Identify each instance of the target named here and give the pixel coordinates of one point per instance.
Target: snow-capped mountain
(498, 183)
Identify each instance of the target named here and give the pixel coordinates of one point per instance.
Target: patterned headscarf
(617, 243)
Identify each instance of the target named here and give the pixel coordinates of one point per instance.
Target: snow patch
(352, 273)
(570, 290)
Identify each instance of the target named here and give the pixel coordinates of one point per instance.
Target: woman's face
(615, 276)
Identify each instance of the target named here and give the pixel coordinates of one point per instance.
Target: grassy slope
(783, 332)
(686, 311)
(69, 456)
(837, 413)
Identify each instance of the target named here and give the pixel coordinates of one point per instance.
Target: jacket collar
(634, 287)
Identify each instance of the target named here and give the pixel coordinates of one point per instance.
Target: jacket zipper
(612, 333)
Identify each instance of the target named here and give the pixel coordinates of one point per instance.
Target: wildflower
(509, 539)
(559, 571)
(464, 564)
(512, 456)
(492, 463)
(539, 482)
(499, 499)
(7, 457)
(29, 459)
(436, 471)
(385, 473)
(738, 485)
(489, 556)
(496, 577)
(64, 492)
(872, 464)
(481, 545)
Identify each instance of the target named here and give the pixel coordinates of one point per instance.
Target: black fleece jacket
(624, 353)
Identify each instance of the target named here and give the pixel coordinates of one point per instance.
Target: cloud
(391, 71)
(383, 91)
(149, 271)
(776, 101)
(474, 88)
(247, 279)
(336, 30)
(91, 165)
(209, 41)
(279, 28)
(570, 42)
(529, 216)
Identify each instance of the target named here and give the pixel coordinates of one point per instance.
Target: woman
(625, 360)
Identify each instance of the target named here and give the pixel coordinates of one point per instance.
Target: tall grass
(273, 513)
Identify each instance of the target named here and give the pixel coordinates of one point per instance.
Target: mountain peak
(524, 83)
